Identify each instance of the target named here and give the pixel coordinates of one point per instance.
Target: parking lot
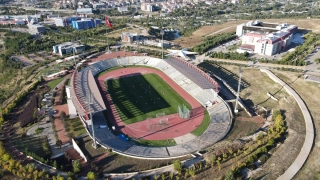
(224, 47)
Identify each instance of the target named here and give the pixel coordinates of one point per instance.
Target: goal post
(163, 121)
(160, 115)
(184, 112)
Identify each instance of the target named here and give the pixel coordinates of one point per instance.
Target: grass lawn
(33, 143)
(203, 126)
(241, 129)
(39, 130)
(166, 143)
(137, 98)
(75, 127)
(54, 82)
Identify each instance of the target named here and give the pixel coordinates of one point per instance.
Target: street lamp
(93, 135)
(237, 98)
(162, 33)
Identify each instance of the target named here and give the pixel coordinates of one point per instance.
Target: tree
(213, 159)
(55, 164)
(278, 122)
(6, 157)
(59, 143)
(91, 175)
(71, 175)
(63, 115)
(76, 166)
(192, 172)
(177, 166)
(45, 147)
(229, 175)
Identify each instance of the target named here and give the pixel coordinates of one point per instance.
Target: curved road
(309, 139)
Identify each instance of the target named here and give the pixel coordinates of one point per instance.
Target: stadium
(135, 98)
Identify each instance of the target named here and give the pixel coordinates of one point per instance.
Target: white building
(68, 48)
(146, 7)
(72, 109)
(123, 9)
(265, 38)
(99, 5)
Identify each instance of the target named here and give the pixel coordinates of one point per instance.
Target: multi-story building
(83, 24)
(123, 9)
(84, 11)
(99, 5)
(146, 7)
(128, 37)
(68, 48)
(66, 21)
(265, 38)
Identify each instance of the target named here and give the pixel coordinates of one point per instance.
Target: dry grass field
(127, 30)
(309, 92)
(198, 36)
(254, 92)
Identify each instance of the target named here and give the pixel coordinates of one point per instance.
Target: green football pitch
(140, 97)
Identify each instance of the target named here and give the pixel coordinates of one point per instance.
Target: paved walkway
(309, 139)
(60, 129)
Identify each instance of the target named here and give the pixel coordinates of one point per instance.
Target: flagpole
(107, 38)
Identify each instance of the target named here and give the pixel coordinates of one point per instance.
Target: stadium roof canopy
(182, 53)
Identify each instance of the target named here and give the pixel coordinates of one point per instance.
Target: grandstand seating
(153, 62)
(193, 73)
(192, 80)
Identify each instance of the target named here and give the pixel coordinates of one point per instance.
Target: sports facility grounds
(150, 108)
(144, 103)
(139, 97)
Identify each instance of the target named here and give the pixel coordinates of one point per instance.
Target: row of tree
(230, 55)
(213, 41)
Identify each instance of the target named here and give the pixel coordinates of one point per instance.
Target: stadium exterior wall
(154, 158)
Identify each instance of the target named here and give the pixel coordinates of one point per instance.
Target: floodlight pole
(93, 135)
(107, 38)
(237, 99)
(162, 33)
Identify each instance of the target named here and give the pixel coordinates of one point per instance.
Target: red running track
(167, 127)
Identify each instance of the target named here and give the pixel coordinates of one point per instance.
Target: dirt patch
(36, 58)
(242, 127)
(25, 61)
(59, 127)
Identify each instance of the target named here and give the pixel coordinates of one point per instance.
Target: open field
(140, 97)
(241, 129)
(118, 33)
(55, 82)
(198, 36)
(31, 143)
